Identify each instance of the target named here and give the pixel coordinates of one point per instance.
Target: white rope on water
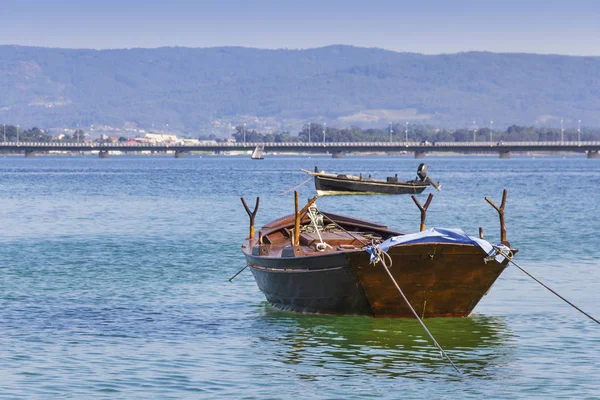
(381, 256)
(509, 256)
(295, 187)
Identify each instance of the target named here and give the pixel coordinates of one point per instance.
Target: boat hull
(328, 286)
(439, 280)
(326, 185)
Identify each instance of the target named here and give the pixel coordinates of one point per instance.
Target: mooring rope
(295, 187)
(509, 258)
(322, 244)
(381, 256)
(239, 272)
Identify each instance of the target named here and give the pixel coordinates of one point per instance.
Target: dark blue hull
(328, 185)
(328, 286)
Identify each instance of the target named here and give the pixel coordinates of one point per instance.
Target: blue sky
(426, 26)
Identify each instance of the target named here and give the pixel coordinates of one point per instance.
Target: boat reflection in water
(343, 345)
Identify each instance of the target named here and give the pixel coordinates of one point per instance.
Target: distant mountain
(203, 90)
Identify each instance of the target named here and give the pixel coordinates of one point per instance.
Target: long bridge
(337, 149)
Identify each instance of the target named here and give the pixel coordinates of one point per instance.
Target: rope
(381, 256)
(509, 256)
(295, 187)
(239, 272)
(322, 245)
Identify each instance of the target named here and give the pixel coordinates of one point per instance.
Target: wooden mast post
(423, 209)
(296, 220)
(251, 214)
(298, 216)
(501, 215)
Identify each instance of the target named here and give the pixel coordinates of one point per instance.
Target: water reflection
(479, 345)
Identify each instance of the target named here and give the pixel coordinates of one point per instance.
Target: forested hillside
(209, 89)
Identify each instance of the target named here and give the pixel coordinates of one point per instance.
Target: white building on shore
(161, 138)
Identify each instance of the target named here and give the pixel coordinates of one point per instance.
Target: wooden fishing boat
(339, 184)
(318, 262)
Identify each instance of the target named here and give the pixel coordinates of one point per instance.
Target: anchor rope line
(509, 256)
(381, 257)
(239, 272)
(295, 187)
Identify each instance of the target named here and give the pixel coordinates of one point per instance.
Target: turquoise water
(113, 283)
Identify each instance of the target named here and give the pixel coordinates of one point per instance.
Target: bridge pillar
(504, 154)
(29, 153)
(179, 154)
(337, 154)
(593, 154)
(103, 154)
(420, 154)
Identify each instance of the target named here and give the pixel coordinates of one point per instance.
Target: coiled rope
(321, 246)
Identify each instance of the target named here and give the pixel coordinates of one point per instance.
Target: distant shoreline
(311, 155)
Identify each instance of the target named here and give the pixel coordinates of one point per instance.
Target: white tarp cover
(438, 235)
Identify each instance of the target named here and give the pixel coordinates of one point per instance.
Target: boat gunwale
(294, 270)
(248, 250)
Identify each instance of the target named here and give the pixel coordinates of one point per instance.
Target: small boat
(339, 184)
(314, 261)
(257, 154)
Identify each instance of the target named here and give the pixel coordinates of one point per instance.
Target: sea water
(114, 282)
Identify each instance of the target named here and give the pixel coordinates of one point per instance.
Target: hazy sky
(423, 26)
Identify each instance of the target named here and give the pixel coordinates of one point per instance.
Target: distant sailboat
(257, 154)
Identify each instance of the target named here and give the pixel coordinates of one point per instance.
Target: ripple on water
(113, 283)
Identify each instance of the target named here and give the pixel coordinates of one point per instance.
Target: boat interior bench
(331, 238)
